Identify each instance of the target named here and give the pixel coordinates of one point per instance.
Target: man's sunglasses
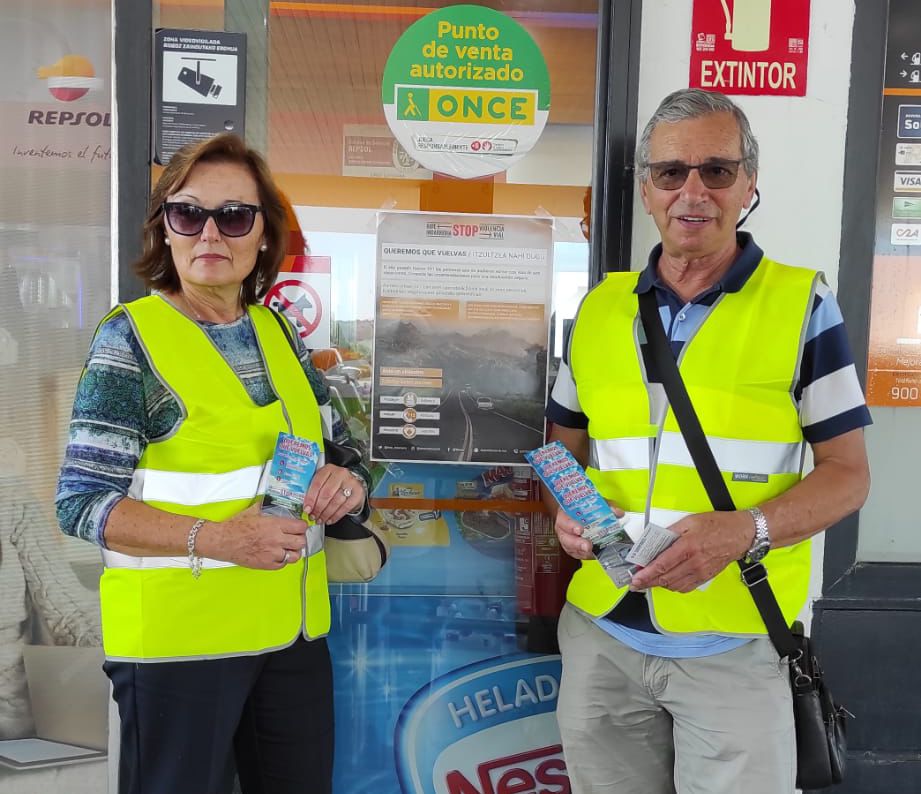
(715, 174)
(232, 220)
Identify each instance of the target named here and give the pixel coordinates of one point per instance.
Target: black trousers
(186, 725)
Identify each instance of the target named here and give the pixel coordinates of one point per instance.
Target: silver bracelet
(194, 559)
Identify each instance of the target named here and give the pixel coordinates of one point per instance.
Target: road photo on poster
(460, 341)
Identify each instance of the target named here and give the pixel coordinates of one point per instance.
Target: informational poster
(371, 150)
(894, 363)
(303, 294)
(460, 338)
(750, 46)
(199, 87)
(466, 91)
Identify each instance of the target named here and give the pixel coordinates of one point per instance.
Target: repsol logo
(66, 117)
(540, 771)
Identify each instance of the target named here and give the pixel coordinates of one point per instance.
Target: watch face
(759, 552)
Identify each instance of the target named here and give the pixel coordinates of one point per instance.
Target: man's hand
(569, 533)
(707, 543)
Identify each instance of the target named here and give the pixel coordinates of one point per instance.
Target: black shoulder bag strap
(754, 575)
(285, 329)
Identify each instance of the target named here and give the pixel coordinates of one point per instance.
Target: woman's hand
(254, 540)
(333, 492)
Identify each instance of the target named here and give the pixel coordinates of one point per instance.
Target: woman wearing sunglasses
(214, 615)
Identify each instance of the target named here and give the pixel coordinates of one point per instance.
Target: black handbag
(356, 550)
(820, 723)
(821, 726)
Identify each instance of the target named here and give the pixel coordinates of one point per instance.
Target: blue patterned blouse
(121, 406)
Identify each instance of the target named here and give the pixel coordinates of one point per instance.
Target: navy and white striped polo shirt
(827, 392)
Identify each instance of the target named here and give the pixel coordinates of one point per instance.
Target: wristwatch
(761, 544)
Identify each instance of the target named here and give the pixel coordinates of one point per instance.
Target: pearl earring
(264, 247)
(166, 242)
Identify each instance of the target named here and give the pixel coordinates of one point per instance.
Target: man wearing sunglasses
(670, 683)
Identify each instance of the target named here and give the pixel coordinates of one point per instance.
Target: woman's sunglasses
(232, 220)
(715, 174)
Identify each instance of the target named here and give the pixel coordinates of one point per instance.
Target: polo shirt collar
(739, 271)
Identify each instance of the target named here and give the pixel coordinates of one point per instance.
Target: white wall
(801, 139)
(561, 156)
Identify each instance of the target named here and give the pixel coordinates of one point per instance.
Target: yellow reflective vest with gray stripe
(740, 368)
(211, 467)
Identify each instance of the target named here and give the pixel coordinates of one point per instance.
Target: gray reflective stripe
(634, 523)
(187, 488)
(665, 518)
(619, 454)
(732, 455)
(115, 559)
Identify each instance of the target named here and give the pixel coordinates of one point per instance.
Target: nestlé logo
(541, 771)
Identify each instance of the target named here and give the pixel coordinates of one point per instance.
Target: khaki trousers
(637, 724)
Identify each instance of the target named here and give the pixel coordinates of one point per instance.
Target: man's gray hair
(692, 103)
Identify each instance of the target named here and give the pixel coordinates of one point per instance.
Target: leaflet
(581, 501)
(651, 544)
(293, 465)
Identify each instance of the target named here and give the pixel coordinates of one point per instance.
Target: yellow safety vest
(211, 467)
(740, 368)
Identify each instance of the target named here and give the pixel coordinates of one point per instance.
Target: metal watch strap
(762, 535)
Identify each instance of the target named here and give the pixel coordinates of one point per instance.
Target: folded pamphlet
(581, 501)
(293, 465)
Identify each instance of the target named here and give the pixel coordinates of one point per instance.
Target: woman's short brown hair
(156, 266)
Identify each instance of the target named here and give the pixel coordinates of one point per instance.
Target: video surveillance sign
(199, 87)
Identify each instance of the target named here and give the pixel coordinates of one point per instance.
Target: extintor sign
(750, 46)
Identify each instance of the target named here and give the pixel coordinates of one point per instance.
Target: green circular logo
(466, 91)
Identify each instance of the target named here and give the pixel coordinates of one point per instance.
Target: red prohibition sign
(299, 301)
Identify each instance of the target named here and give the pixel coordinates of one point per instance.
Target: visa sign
(905, 234)
(907, 182)
(486, 728)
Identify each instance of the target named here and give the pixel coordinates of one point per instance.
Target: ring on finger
(284, 560)
(346, 492)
